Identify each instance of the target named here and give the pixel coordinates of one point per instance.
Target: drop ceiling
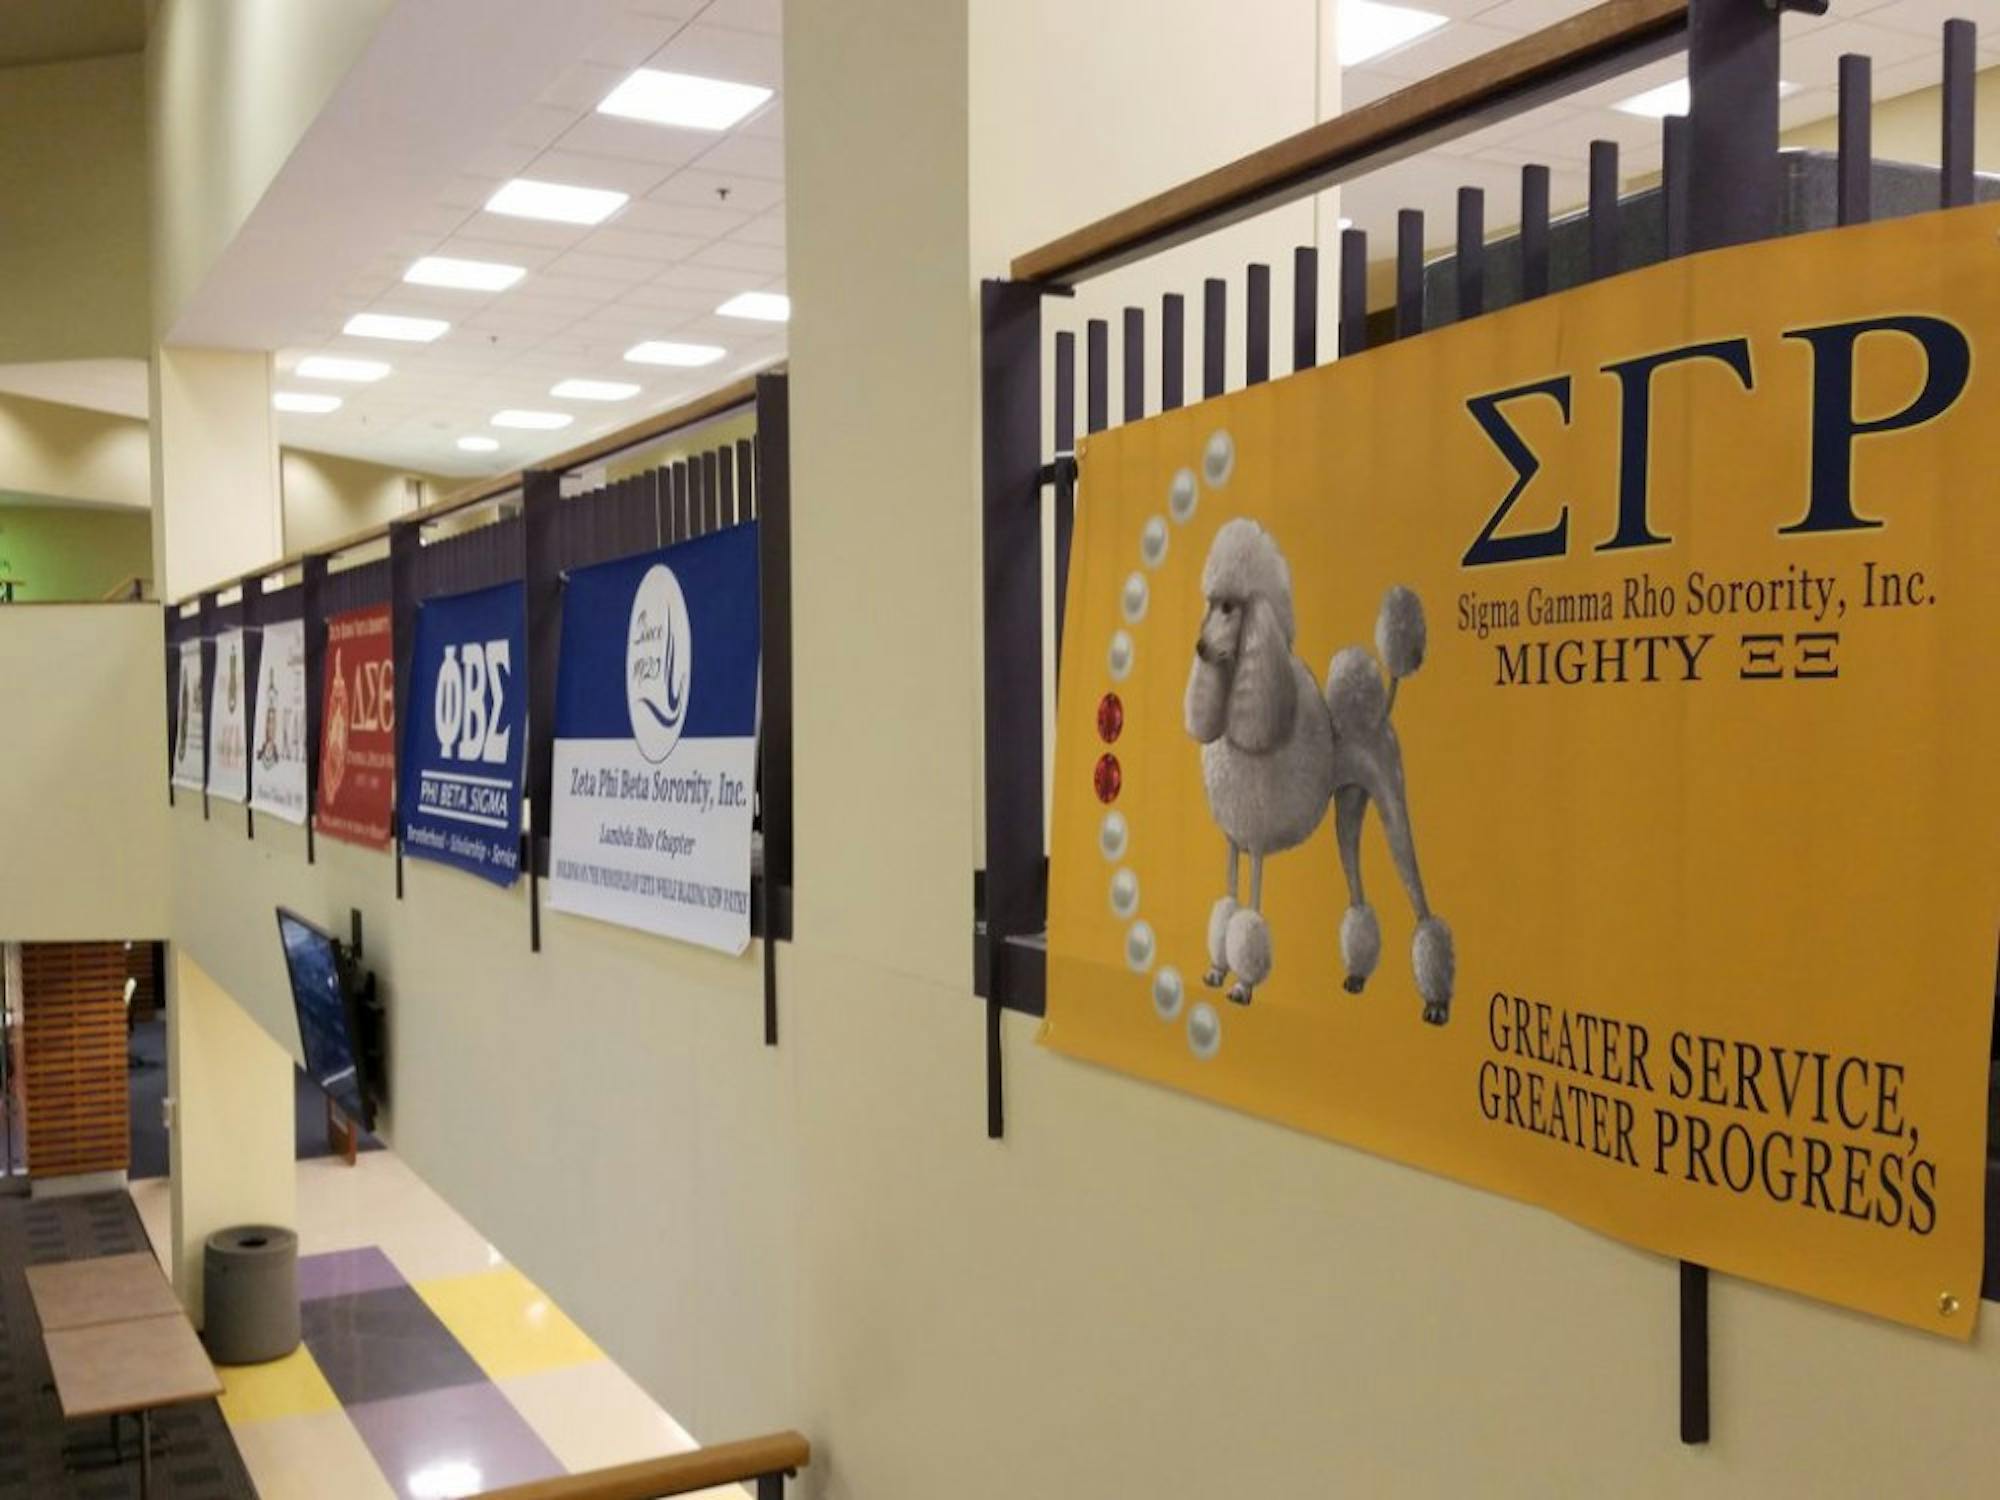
(440, 111)
(383, 179)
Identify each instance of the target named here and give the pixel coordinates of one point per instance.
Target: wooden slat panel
(73, 1079)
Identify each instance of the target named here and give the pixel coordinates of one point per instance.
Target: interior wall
(1910, 127)
(83, 771)
(327, 496)
(69, 453)
(72, 553)
(232, 1143)
(230, 86)
(1134, 1292)
(78, 238)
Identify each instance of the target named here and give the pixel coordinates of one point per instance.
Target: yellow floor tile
(507, 1323)
(288, 1387)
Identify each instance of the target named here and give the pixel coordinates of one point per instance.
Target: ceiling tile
(539, 125)
(659, 250)
(632, 38)
(731, 255)
(766, 229)
(766, 16)
(635, 140)
(685, 219)
(747, 156)
(704, 278)
(603, 267)
(722, 52)
(706, 188)
(577, 169)
(583, 85)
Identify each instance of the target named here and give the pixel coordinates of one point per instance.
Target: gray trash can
(250, 1294)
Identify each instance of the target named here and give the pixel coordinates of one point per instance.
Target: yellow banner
(1559, 752)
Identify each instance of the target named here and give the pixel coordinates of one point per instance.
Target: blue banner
(656, 741)
(459, 800)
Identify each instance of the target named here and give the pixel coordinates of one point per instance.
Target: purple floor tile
(344, 1271)
(463, 1440)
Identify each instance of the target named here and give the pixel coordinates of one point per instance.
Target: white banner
(278, 728)
(663, 851)
(228, 722)
(190, 745)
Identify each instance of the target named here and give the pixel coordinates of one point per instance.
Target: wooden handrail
(1599, 43)
(659, 425)
(683, 1474)
(125, 590)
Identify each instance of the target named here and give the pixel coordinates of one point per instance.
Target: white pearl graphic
(1218, 460)
(1153, 542)
(1139, 946)
(1204, 1028)
(1167, 992)
(1182, 496)
(1134, 598)
(1120, 658)
(1124, 893)
(1111, 835)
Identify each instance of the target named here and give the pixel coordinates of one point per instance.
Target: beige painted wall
(1134, 1293)
(216, 510)
(73, 179)
(83, 798)
(1908, 128)
(230, 87)
(66, 452)
(327, 497)
(232, 1143)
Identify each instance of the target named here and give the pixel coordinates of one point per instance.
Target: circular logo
(659, 663)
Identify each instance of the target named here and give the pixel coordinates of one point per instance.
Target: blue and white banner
(656, 741)
(460, 797)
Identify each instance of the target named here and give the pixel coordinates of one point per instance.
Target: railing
(535, 534)
(768, 1461)
(1722, 183)
(126, 591)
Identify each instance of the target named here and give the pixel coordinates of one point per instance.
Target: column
(216, 510)
(233, 1142)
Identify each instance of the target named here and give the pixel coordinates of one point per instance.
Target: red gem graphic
(1108, 778)
(1110, 718)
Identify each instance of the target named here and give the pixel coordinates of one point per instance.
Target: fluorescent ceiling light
(478, 444)
(1672, 99)
(466, 275)
(1367, 29)
(538, 421)
(667, 352)
(305, 401)
(390, 326)
(524, 198)
(682, 99)
(765, 307)
(594, 390)
(332, 367)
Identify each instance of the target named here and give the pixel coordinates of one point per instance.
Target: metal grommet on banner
(1947, 1305)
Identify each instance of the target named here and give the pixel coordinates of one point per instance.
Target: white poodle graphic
(1275, 753)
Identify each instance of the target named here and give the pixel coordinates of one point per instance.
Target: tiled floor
(431, 1368)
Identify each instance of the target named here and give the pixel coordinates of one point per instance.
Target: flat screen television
(327, 993)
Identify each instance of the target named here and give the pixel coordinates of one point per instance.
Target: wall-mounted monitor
(328, 994)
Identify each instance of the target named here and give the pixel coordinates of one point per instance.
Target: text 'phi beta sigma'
(1826, 356)
(470, 702)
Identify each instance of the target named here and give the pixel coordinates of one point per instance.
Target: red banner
(357, 748)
